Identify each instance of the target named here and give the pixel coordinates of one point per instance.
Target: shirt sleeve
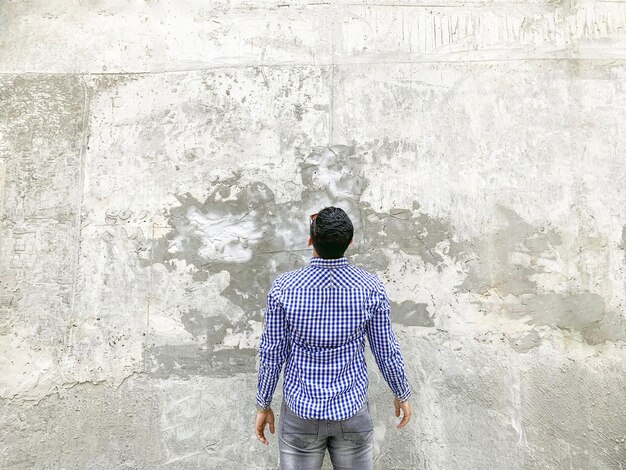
(274, 347)
(384, 346)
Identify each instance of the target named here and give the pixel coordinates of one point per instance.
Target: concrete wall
(159, 160)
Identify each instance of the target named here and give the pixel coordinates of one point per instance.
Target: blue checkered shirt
(316, 320)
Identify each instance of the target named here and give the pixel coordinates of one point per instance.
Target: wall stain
(496, 271)
(244, 231)
(410, 313)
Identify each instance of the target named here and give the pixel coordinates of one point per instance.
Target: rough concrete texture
(158, 163)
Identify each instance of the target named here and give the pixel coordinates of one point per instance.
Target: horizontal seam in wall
(612, 60)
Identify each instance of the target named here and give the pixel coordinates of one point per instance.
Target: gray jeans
(302, 443)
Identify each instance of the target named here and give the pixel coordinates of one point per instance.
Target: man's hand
(263, 418)
(406, 408)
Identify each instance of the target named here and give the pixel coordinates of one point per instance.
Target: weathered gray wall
(158, 161)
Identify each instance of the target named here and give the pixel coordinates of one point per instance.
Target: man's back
(317, 319)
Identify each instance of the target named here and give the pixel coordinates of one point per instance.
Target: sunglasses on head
(311, 220)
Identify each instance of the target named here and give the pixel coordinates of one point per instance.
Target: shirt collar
(328, 263)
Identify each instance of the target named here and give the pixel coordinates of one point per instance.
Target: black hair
(331, 231)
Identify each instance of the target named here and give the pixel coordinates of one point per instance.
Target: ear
(350, 242)
(310, 241)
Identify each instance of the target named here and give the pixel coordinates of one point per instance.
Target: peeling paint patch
(524, 342)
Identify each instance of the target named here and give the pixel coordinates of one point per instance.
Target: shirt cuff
(261, 404)
(405, 396)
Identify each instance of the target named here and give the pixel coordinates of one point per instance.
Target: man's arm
(384, 346)
(273, 348)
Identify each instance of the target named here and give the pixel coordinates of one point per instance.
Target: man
(316, 320)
